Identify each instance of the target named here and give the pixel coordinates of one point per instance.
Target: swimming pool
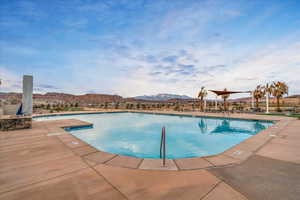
(139, 134)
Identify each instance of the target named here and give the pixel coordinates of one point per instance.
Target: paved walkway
(43, 164)
(273, 173)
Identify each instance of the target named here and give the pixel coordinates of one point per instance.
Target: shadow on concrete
(261, 178)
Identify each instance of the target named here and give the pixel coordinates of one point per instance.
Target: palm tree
(201, 95)
(268, 88)
(258, 93)
(278, 90)
(225, 97)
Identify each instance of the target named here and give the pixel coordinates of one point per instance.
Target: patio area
(45, 162)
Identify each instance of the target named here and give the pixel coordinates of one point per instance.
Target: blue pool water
(138, 134)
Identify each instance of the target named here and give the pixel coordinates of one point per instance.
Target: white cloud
(217, 71)
(9, 81)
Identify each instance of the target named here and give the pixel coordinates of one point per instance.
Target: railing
(163, 145)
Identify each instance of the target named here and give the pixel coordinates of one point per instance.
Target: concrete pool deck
(47, 163)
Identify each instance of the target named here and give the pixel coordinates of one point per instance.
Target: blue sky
(141, 47)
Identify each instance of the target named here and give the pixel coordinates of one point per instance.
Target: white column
(252, 99)
(267, 102)
(204, 105)
(27, 94)
(216, 102)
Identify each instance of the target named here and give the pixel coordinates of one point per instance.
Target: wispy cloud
(9, 49)
(146, 47)
(76, 23)
(261, 66)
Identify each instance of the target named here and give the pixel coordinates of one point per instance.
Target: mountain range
(161, 97)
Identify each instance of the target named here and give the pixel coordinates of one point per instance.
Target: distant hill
(54, 98)
(161, 97)
(294, 96)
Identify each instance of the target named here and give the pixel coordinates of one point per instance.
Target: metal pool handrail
(163, 145)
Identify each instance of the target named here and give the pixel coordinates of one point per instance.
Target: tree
(193, 106)
(268, 88)
(258, 93)
(76, 104)
(105, 105)
(117, 105)
(278, 90)
(225, 97)
(14, 100)
(177, 106)
(201, 95)
(138, 105)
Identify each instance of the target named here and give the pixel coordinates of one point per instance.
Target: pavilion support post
(227, 93)
(204, 105)
(216, 102)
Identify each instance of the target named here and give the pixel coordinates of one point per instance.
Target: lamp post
(252, 100)
(216, 102)
(267, 102)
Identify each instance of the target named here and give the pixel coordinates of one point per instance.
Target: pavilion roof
(222, 92)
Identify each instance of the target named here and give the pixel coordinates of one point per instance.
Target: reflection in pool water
(225, 128)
